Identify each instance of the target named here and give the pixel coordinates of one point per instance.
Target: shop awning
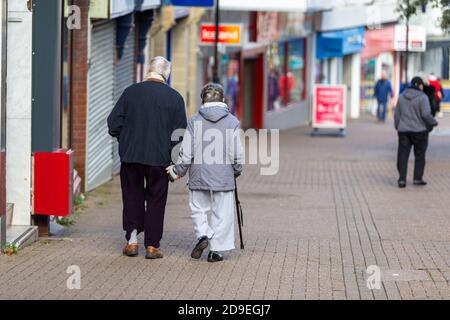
(143, 5)
(393, 38)
(111, 9)
(264, 5)
(378, 41)
(337, 44)
(193, 3)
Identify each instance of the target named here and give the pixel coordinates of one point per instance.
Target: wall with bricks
(79, 86)
(185, 38)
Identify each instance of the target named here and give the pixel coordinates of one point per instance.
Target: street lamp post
(216, 78)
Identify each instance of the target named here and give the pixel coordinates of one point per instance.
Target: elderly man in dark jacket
(413, 121)
(143, 121)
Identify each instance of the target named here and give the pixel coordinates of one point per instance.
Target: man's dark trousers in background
(144, 193)
(407, 140)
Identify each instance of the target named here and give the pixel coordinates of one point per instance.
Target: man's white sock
(133, 237)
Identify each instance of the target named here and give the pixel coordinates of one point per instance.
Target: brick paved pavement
(311, 232)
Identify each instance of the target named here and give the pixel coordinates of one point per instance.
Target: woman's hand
(171, 173)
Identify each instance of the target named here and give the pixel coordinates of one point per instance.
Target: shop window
(232, 85)
(286, 82)
(368, 70)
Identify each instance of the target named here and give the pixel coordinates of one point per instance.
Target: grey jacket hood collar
(412, 94)
(214, 111)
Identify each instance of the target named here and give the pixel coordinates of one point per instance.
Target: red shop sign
(329, 106)
(229, 34)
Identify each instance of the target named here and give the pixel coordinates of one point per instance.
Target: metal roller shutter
(101, 102)
(124, 78)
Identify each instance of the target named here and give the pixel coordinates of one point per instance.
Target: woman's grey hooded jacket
(413, 112)
(211, 149)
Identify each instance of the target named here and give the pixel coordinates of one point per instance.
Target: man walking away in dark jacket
(413, 121)
(143, 121)
(383, 91)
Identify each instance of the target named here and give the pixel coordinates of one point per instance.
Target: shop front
(436, 59)
(117, 43)
(378, 57)
(338, 62)
(252, 90)
(273, 84)
(342, 46)
(384, 53)
(264, 74)
(285, 77)
(288, 59)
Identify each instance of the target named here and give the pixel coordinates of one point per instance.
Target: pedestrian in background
(211, 183)
(413, 122)
(273, 90)
(143, 121)
(382, 92)
(438, 91)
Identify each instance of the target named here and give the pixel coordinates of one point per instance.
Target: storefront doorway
(253, 93)
(249, 94)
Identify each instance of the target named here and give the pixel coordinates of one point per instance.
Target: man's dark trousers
(382, 110)
(407, 140)
(144, 193)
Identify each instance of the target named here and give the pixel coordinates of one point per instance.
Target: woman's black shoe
(402, 184)
(214, 257)
(201, 245)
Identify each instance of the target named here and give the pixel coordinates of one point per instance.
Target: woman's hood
(214, 111)
(411, 94)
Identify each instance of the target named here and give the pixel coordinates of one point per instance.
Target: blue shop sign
(119, 8)
(190, 3)
(142, 5)
(336, 44)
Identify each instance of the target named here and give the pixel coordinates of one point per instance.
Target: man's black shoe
(201, 245)
(402, 184)
(420, 183)
(214, 257)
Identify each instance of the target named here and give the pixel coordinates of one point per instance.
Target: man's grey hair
(161, 66)
(212, 92)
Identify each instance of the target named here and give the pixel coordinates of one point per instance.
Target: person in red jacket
(287, 84)
(439, 91)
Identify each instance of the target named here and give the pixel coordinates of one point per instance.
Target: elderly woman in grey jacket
(212, 153)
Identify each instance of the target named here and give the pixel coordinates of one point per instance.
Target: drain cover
(405, 275)
(398, 275)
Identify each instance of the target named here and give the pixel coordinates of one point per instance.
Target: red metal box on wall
(52, 183)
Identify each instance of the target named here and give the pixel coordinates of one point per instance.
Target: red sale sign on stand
(329, 107)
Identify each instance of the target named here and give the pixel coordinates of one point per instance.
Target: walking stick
(240, 216)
